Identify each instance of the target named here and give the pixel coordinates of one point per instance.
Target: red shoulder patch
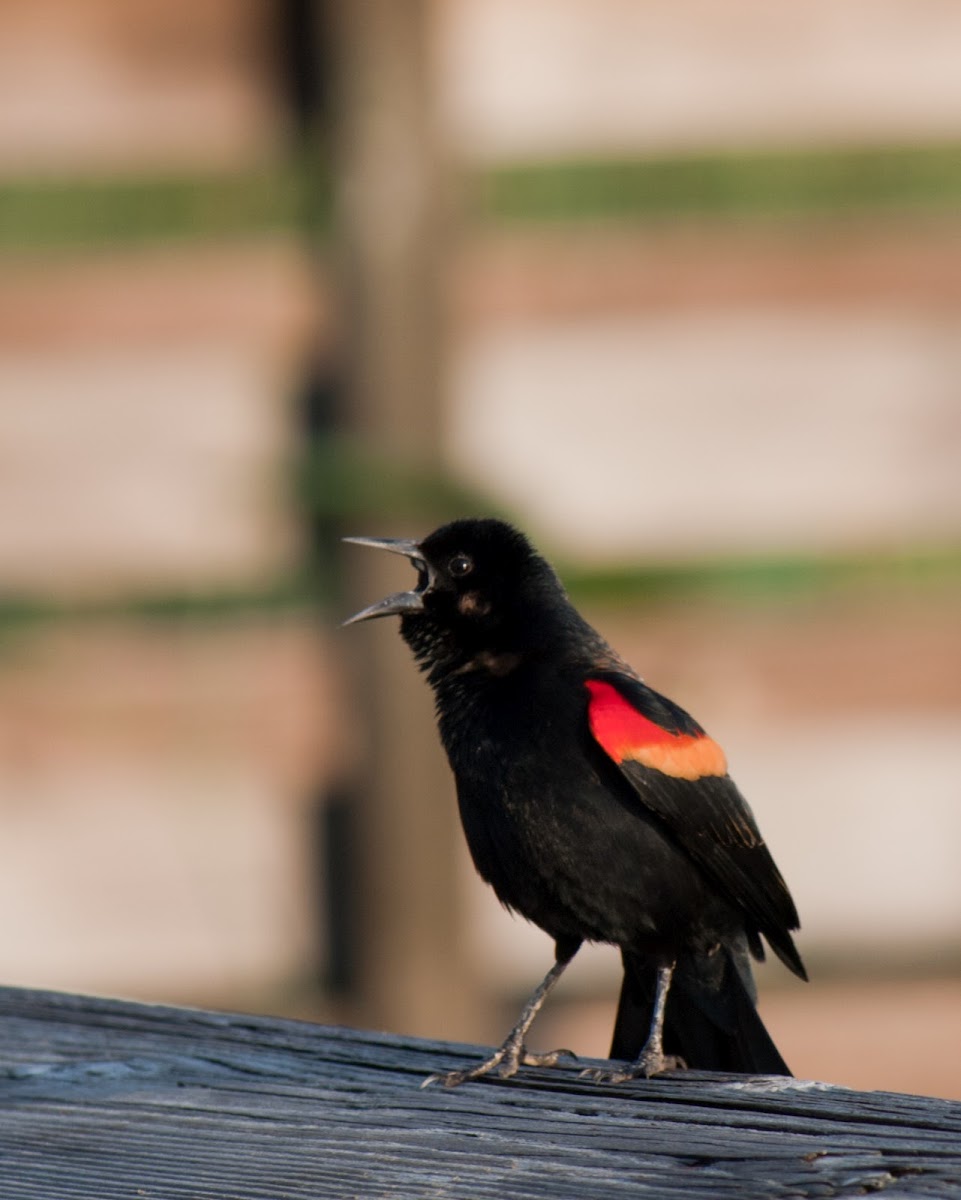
(627, 735)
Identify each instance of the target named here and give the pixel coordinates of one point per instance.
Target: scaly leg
(513, 1054)
(652, 1060)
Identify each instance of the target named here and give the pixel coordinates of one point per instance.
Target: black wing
(680, 775)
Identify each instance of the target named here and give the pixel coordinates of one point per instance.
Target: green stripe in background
(296, 195)
(927, 572)
(760, 184)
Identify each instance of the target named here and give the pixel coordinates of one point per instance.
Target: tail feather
(710, 1021)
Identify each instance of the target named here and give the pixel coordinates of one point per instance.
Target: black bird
(594, 807)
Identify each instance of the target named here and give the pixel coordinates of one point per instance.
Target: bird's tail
(710, 1020)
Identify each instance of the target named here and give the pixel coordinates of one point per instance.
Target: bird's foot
(650, 1062)
(503, 1063)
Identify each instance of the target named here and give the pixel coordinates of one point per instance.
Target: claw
(652, 1060)
(549, 1059)
(513, 1053)
(504, 1064)
(643, 1068)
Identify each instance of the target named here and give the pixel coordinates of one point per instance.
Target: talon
(599, 1075)
(549, 1058)
(504, 1065)
(452, 1078)
(446, 1078)
(645, 1067)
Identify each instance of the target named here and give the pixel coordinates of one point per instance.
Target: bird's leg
(652, 1060)
(513, 1053)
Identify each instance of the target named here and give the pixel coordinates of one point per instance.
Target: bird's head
(481, 586)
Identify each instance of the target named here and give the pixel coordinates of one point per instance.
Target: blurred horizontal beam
(295, 195)
(755, 580)
(733, 184)
(108, 211)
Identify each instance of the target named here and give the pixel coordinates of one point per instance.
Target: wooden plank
(103, 1099)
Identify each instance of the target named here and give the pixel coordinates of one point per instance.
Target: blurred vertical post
(391, 243)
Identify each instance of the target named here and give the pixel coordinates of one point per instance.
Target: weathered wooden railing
(103, 1099)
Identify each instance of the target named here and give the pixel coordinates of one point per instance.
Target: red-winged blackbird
(594, 807)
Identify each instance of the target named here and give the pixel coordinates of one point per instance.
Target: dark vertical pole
(304, 73)
(391, 243)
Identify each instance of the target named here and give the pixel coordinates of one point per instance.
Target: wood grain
(104, 1099)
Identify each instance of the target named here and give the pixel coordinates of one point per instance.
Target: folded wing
(679, 774)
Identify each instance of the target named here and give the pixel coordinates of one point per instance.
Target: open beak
(400, 602)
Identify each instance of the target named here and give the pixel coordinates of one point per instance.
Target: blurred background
(675, 286)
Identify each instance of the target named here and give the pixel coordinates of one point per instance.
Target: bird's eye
(460, 565)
